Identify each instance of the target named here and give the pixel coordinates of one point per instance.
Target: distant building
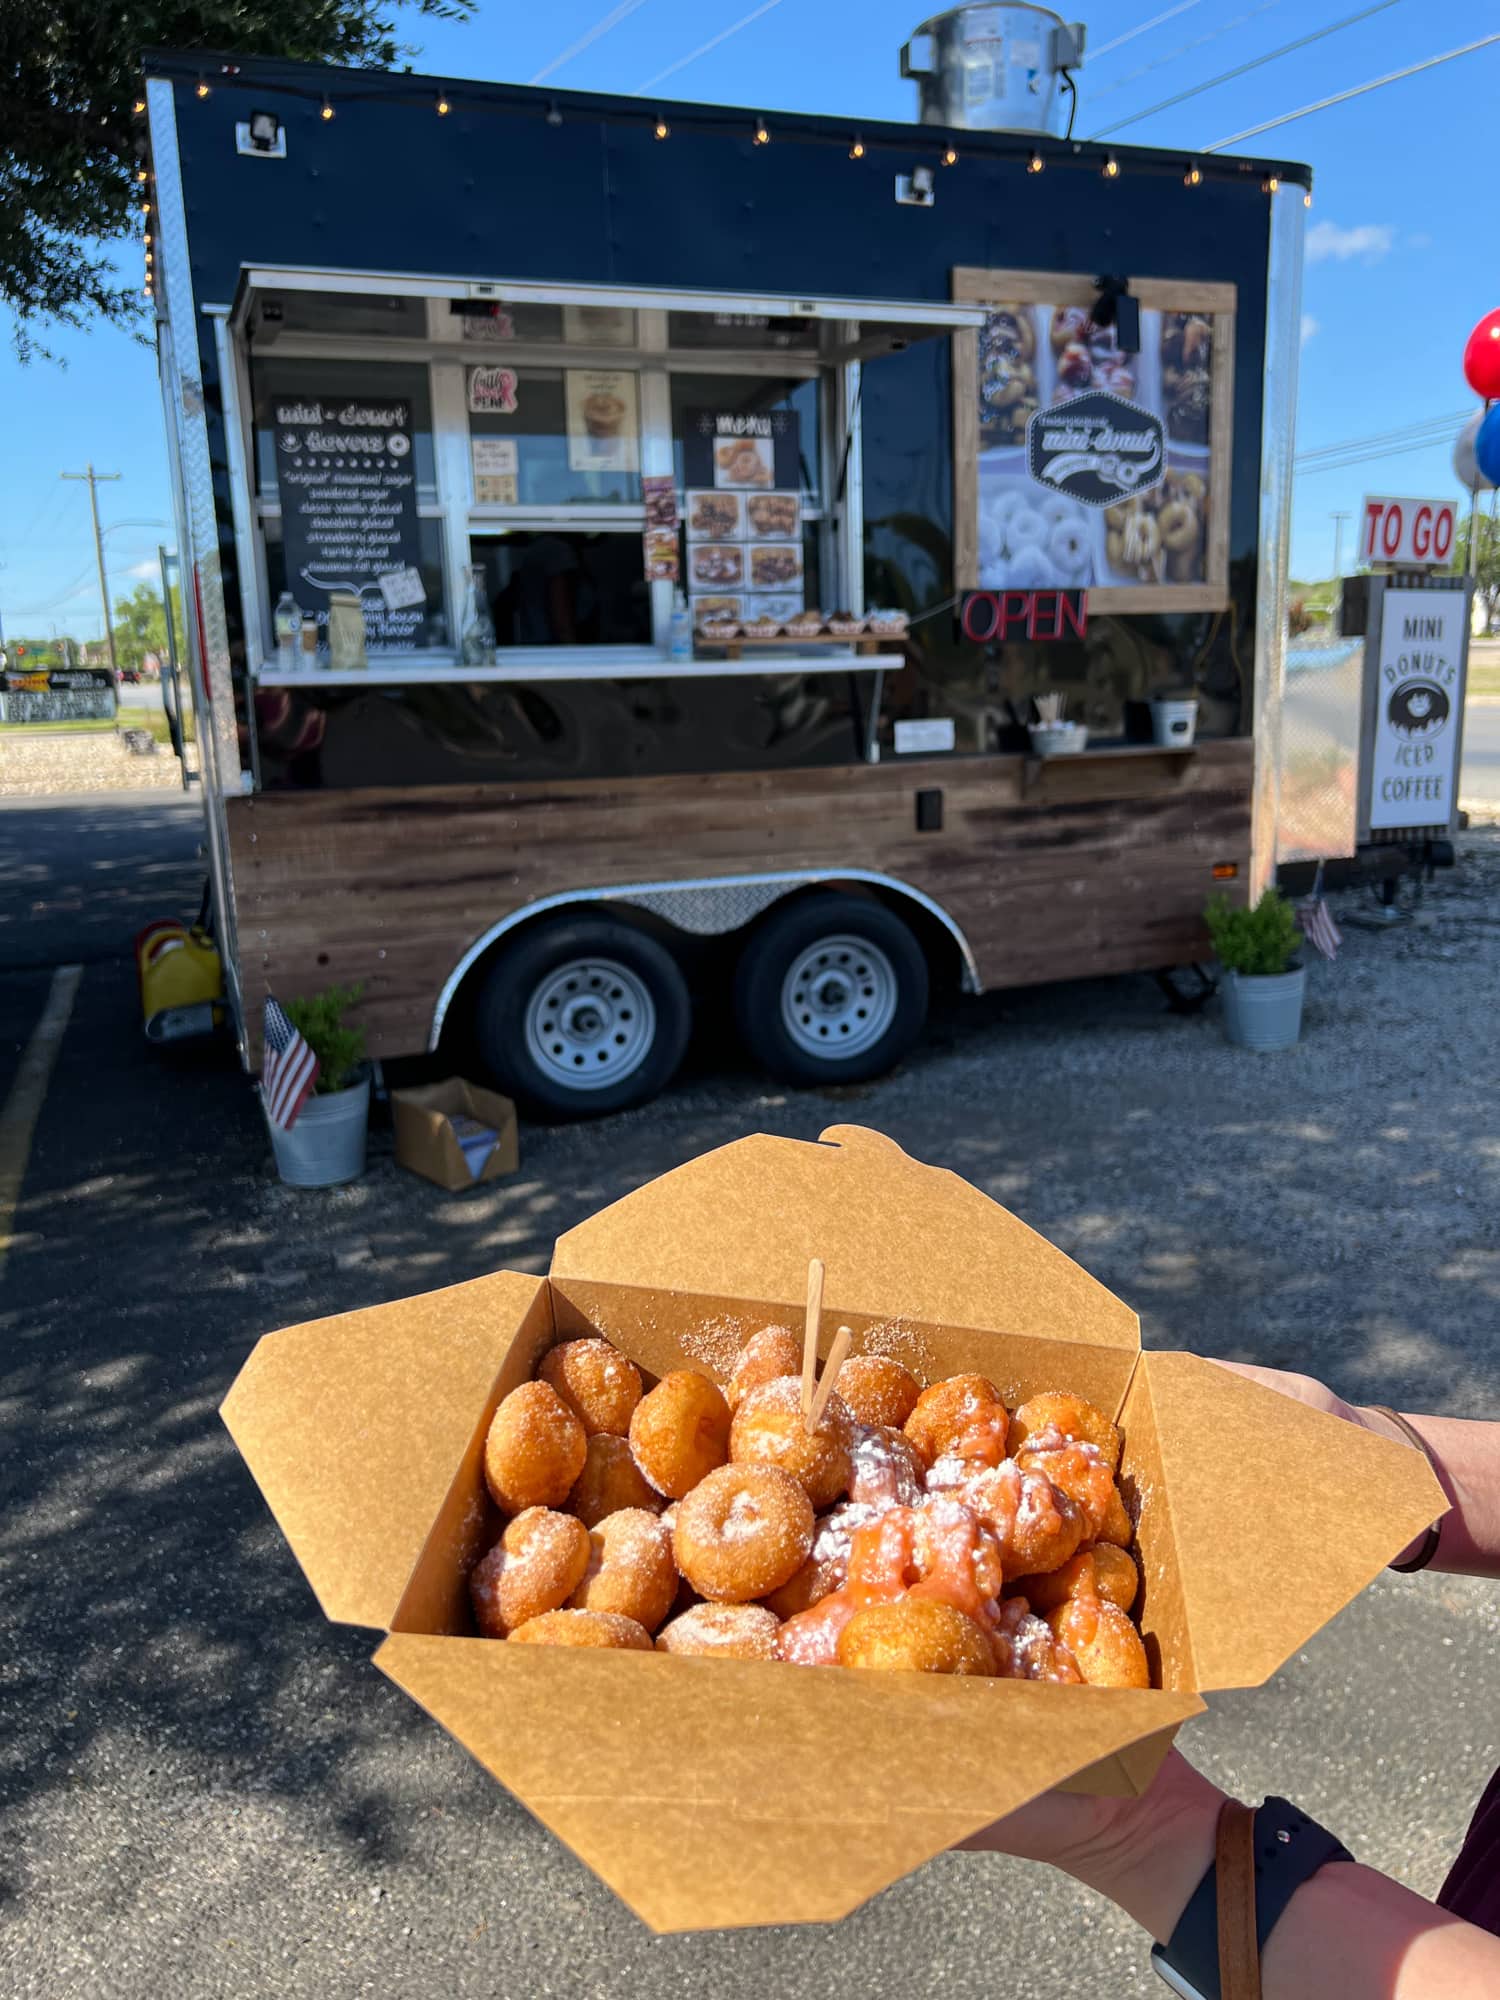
(95, 652)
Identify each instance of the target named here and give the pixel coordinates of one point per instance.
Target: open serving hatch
(714, 1792)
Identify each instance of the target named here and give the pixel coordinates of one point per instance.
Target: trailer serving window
(463, 437)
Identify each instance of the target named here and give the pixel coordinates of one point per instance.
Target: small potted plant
(1263, 981)
(1052, 735)
(326, 1145)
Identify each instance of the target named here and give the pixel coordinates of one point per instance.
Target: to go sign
(1406, 532)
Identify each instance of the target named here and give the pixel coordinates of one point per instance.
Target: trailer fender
(705, 906)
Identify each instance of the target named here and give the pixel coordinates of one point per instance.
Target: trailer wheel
(583, 1016)
(832, 989)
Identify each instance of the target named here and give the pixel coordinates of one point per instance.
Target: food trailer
(651, 559)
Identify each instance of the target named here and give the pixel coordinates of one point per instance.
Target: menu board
(349, 509)
(1092, 468)
(58, 694)
(744, 514)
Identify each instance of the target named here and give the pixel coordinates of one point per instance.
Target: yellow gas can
(181, 981)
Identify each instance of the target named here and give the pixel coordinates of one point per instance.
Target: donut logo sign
(1418, 709)
(1096, 448)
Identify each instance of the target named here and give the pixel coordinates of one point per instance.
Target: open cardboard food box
(711, 1792)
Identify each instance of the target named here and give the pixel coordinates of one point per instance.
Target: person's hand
(1147, 1854)
(1301, 1388)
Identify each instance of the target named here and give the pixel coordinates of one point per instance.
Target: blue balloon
(1487, 447)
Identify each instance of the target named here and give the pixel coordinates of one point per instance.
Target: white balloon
(1465, 466)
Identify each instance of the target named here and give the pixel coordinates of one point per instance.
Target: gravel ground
(211, 1792)
(39, 766)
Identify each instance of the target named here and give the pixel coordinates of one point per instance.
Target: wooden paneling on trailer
(1052, 870)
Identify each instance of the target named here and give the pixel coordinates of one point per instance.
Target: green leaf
(340, 1049)
(1262, 940)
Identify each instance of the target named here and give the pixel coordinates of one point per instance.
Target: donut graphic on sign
(1419, 710)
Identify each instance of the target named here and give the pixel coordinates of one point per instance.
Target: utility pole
(93, 479)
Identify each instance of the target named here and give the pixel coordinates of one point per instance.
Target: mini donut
(1178, 525)
(1185, 565)
(774, 1351)
(1068, 547)
(1119, 380)
(1118, 1527)
(827, 1565)
(599, 1384)
(1057, 507)
(1114, 548)
(1068, 323)
(583, 1628)
(1026, 1649)
(1000, 506)
(915, 1635)
(742, 1532)
(962, 1417)
(1079, 1471)
(534, 1450)
(769, 1429)
(630, 1569)
(1028, 569)
(1068, 1417)
(880, 1560)
(1075, 365)
(1014, 322)
(722, 1631)
(957, 1557)
(1192, 486)
(534, 1567)
(1102, 1571)
(680, 1431)
(1027, 529)
(610, 1480)
(1103, 1641)
(888, 1470)
(877, 1390)
(1142, 540)
(1038, 1528)
(1004, 381)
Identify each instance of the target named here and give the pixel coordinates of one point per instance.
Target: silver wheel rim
(839, 997)
(590, 1023)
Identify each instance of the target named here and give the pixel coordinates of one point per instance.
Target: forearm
(1347, 1930)
(1466, 1458)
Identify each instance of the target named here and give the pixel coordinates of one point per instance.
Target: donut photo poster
(1089, 466)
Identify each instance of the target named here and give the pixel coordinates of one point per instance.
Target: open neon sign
(988, 615)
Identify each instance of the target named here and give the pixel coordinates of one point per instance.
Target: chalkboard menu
(349, 510)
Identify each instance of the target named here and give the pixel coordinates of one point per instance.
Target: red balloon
(1482, 358)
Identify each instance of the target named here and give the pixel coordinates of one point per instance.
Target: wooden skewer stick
(810, 1333)
(838, 1354)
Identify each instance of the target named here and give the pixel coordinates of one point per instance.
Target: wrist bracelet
(1434, 1534)
(1288, 1849)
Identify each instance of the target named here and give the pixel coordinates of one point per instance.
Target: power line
(590, 35)
(1359, 90)
(1391, 436)
(1434, 443)
(1144, 28)
(1244, 69)
(704, 47)
(1184, 49)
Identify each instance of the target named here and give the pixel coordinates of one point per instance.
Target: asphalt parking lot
(206, 1788)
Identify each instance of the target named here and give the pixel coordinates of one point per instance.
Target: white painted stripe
(27, 1095)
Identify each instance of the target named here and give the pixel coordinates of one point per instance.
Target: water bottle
(288, 633)
(477, 640)
(680, 630)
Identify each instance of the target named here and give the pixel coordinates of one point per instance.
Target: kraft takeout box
(427, 1144)
(718, 1792)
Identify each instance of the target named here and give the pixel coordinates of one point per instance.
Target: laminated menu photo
(370, 1435)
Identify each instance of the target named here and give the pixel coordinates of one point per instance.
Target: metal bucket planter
(326, 1146)
(1263, 1010)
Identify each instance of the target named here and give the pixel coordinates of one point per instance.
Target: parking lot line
(21, 1109)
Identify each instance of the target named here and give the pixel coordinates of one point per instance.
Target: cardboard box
(427, 1144)
(719, 1792)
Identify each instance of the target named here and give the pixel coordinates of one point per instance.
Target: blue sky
(1401, 257)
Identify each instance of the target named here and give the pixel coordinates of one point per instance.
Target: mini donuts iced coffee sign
(1096, 448)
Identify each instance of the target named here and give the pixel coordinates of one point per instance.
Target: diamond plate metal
(709, 912)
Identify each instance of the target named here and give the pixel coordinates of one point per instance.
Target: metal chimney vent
(994, 68)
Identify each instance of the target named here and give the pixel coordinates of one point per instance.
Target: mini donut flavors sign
(1096, 448)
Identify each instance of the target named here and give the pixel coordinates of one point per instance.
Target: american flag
(289, 1071)
(1316, 919)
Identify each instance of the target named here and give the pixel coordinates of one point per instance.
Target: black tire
(782, 943)
(537, 967)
